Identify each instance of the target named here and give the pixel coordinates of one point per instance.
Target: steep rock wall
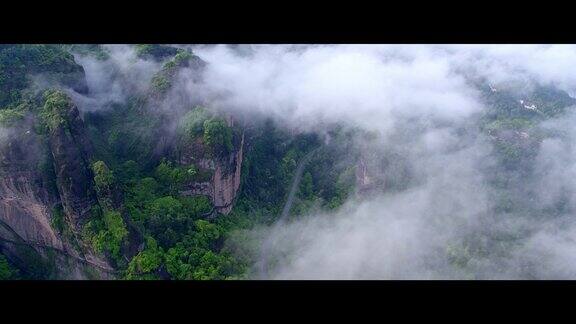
(227, 180)
(71, 151)
(27, 198)
(224, 183)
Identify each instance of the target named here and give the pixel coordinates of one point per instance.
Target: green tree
(195, 258)
(306, 186)
(193, 122)
(6, 270)
(166, 220)
(171, 177)
(103, 177)
(218, 135)
(111, 237)
(55, 111)
(144, 265)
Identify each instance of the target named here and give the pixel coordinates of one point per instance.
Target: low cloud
(115, 79)
(360, 85)
(424, 103)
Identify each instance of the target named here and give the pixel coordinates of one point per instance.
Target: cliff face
(227, 179)
(43, 168)
(71, 151)
(38, 172)
(363, 180)
(225, 171)
(25, 196)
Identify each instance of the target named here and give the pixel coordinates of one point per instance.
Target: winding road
(264, 255)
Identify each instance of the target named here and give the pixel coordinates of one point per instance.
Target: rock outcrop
(71, 151)
(40, 172)
(364, 182)
(227, 179)
(25, 195)
(46, 190)
(225, 172)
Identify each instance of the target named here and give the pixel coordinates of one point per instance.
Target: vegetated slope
(127, 192)
(154, 188)
(44, 168)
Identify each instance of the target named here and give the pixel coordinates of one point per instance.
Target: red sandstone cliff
(223, 182)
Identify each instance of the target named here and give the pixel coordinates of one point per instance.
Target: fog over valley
(203, 162)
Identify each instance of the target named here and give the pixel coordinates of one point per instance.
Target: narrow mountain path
(264, 256)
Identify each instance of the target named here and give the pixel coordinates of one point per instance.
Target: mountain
(120, 163)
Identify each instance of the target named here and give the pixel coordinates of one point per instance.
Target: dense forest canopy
(178, 161)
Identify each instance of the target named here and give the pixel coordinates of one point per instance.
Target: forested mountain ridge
(134, 178)
(113, 193)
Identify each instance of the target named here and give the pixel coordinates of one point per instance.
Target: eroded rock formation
(71, 150)
(38, 173)
(224, 172)
(25, 195)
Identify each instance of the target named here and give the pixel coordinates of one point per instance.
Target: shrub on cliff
(55, 110)
(145, 265)
(103, 176)
(192, 124)
(111, 234)
(218, 135)
(9, 117)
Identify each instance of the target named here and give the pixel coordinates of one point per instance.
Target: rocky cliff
(227, 179)
(40, 172)
(363, 179)
(25, 196)
(71, 151)
(55, 221)
(224, 171)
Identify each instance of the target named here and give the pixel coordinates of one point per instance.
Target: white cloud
(386, 88)
(363, 85)
(394, 89)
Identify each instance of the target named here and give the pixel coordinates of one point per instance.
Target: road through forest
(285, 212)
